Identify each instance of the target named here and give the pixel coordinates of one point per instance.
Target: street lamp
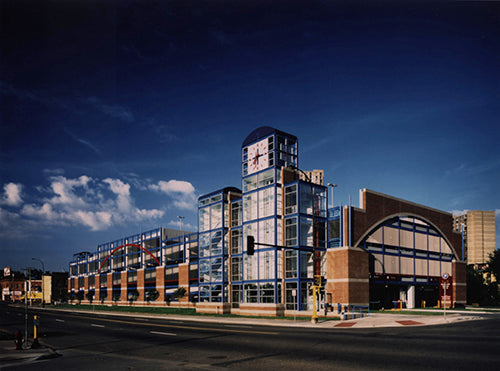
(332, 186)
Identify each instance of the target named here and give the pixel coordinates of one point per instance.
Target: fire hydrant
(19, 340)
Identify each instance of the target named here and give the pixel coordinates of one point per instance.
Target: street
(95, 341)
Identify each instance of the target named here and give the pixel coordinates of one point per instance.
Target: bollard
(36, 322)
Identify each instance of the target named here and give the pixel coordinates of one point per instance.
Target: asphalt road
(101, 342)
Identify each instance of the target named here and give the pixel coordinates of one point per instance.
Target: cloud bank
(89, 202)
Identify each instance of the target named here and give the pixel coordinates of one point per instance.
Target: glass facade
(292, 227)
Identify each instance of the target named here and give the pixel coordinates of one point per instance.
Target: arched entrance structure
(399, 251)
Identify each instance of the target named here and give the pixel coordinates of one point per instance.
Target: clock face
(258, 156)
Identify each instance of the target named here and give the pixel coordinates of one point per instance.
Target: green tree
(79, 296)
(493, 264)
(133, 295)
(152, 295)
(179, 293)
(103, 294)
(90, 296)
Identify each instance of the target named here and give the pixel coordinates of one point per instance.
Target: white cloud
(12, 194)
(81, 201)
(64, 190)
(182, 192)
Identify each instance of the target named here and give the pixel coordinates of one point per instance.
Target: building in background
(260, 248)
(478, 229)
(12, 287)
(55, 287)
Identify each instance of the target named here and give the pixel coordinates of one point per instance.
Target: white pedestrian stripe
(94, 325)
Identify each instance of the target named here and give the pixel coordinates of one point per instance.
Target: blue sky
(116, 116)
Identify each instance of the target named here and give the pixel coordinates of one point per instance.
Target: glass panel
(216, 216)
(251, 267)
(236, 271)
(266, 231)
(236, 241)
(266, 202)
(290, 264)
(306, 232)
(266, 178)
(290, 199)
(266, 265)
(204, 219)
(291, 232)
(250, 183)
(250, 207)
(267, 292)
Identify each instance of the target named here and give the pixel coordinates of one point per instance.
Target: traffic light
(250, 245)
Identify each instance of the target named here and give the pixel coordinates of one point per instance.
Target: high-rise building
(478, 228)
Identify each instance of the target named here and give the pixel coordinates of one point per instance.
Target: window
(291, 232)
(266, 265)
(266, 202)
(236, 269)
(251, 267)
(291, 199)
(236, 241)
(266, 178)
(267, 292)
(250, 207)
(250, 183)
(132, 277)
(216, 270)
(204, 219)
(216, 216)
(250, 292)
(236, 214)
(150, 275)
(172, 276)
(117, 278)
(290, 264)
(266, 231)
(204, 248)
(216, 243)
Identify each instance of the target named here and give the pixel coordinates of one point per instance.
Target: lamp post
(332, 186)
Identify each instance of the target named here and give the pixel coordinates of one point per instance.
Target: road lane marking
(94, 325)
(162, 333)
(59, 320)
(181, 327)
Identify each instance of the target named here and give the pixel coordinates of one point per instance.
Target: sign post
(445, 285)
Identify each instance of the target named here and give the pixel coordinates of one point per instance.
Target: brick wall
(347, 276)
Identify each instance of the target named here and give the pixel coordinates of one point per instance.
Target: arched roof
(263, 132)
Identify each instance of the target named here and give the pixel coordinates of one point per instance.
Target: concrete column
(410, 296)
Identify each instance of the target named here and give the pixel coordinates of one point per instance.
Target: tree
(90, 296)
(152, 295)
(103, 294)
(493, 265)
(79, 296)
(133, 295)
(179, 293)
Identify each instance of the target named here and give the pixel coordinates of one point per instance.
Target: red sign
(446, 291)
